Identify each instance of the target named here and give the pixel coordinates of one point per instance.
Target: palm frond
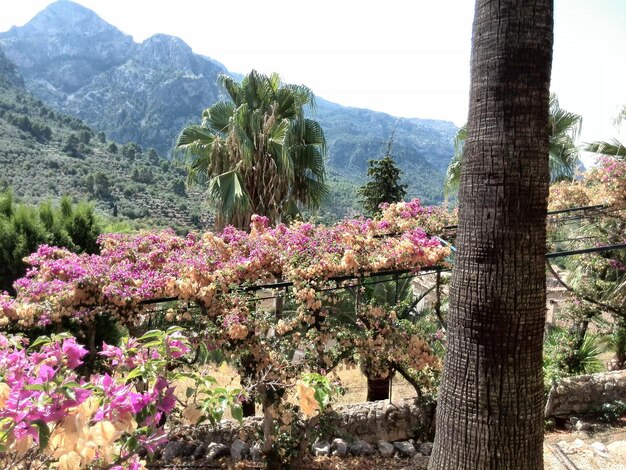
(228, 192)
(621, 117)
(453, 175)
(564, 155)
(218, 116)
(453, 172)
(232, 87)
(614, 148)
(195, 139)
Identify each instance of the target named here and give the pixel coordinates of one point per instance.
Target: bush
(611, 412)
(566, 355)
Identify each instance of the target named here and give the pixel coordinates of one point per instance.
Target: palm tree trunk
(490, 406)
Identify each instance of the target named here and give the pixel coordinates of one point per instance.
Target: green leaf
(152, 334)
(70, 393)
(203, 354)
(132, 443)
(209, 379)
(39, 387)
(44, 433)
(237, 412)
(42, 340)
(173, 329)
(135, 373)
(189, 392)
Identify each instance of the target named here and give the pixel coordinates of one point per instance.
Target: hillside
(45, 154)
(80, 65)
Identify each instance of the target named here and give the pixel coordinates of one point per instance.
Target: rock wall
(382, 421)
(374, 422)
(370, 422)
(581, 394)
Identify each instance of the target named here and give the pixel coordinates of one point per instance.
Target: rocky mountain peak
(64, 46)
(65, 17)
(165, 50)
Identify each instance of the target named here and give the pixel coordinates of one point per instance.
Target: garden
(106, 356)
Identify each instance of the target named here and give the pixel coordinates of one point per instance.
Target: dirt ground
(603, 448)
(599, 448)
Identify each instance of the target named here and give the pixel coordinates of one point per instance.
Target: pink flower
(46, 373)
(73, 352)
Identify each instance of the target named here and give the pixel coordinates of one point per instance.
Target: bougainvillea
(132, 269)
(49, 413)
(595, 280)
(215, 280)
(603, 184)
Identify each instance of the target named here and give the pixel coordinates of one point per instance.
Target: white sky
(408, 58)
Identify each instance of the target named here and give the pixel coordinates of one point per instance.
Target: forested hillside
(45, 155)
(80, 65)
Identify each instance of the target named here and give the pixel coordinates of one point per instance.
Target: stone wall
(370, 422)
(581, 394)
(381, 421)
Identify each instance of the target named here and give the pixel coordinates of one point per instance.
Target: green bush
(565, 355)
(610, 412)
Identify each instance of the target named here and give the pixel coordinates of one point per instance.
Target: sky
(408, 58)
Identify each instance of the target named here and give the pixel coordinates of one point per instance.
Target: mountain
(422, 148)
(80, 65)
(45, 155)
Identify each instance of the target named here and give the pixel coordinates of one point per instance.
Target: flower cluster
(48, 412)
(132, 269)
(603, 184)
(567, 194)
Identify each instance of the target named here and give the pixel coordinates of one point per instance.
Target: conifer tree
(384, 184)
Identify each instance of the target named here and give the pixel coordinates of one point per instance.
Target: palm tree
(453, 173)
(564, 155)
(257, 152)
(614, 148)
(491, 397)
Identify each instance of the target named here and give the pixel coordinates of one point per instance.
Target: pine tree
(384, 185)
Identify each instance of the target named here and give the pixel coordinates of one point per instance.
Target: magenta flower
(46, 373)
(73, 353)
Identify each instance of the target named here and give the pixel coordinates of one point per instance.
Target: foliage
(563, 154)
(596, 280)
(453, 173)
(613, 148)
(564, 355)
(257, 152)
(610, 412)
(23, 228)
(73, 160)
(314, 393)
(50, 414)
(384, 186)
(207, 401)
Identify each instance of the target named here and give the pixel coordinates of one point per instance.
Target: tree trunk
(377, 388)
(248, 407)
(490, 406)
